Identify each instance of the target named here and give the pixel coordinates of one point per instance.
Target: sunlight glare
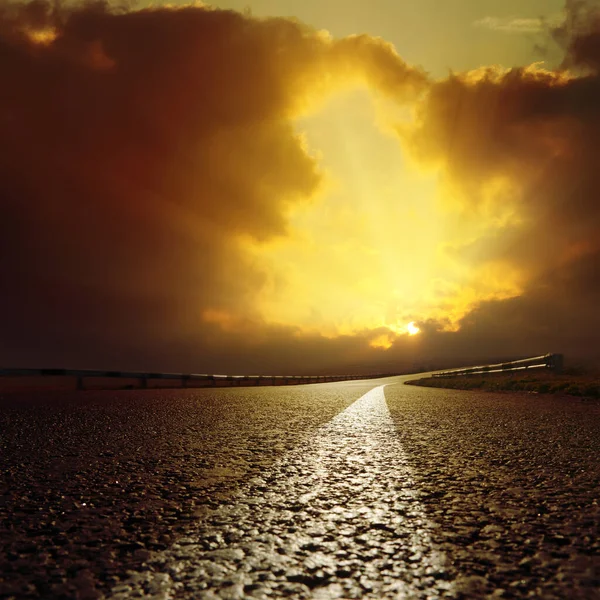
(43, 37)
(379, 247)
(412, 328)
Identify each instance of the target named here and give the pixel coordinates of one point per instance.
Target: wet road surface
(366, 489)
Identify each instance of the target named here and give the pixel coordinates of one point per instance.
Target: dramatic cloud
(150, 154)
(580, 34)
(523, 144)
(142, 147)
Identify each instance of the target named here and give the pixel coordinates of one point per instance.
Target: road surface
(367, 489)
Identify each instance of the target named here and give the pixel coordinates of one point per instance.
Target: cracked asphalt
(342, 490)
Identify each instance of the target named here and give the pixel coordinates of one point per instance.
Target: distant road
(365, 489)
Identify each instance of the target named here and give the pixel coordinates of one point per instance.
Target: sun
(412, 328)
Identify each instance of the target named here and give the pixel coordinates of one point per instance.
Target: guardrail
(82, 379)
(547, 361)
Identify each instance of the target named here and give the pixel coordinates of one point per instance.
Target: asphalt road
(344, 490)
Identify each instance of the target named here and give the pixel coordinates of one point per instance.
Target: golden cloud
(145, 146)
(157, 195)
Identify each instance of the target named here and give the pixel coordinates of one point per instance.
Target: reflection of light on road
(360, 464)
(337, 518)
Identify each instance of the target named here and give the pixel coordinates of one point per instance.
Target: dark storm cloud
(138, 147)
(536, 132)
(579, 35)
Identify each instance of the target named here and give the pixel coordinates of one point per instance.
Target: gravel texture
(337, 518)
(282, 492)
(513, 482)
(92, 482)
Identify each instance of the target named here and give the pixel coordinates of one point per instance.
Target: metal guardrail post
(77, 378)
(557, 362)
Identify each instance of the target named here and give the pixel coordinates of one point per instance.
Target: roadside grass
(571, 383)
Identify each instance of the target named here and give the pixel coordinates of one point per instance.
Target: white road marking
(337, 518)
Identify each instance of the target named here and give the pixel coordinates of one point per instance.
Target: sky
(289, 186)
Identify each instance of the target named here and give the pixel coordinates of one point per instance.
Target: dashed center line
(338, 517)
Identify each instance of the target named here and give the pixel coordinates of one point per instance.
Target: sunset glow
(412, 329)
(42, 36)
(298, 185)
(378, 241)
